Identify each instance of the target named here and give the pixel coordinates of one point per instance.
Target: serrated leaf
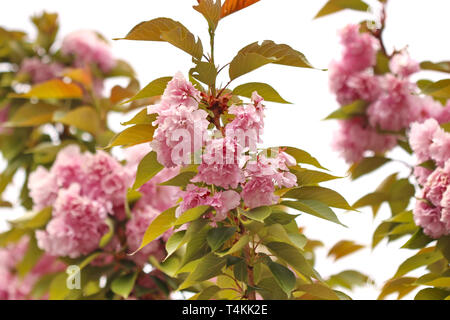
(432, 294)
(443, 66)
(239, 245)
(84, 118)
(32, 115)
(371, 199)
(333, 6)
(302, 156)
(293, 256)
(209, 267)
(174, 242)
(153, 89)
(344, 248)
(218, 236)
(438, 89)
(204, 72)
(366, 166)
(191, 215)
(315, 208)
(310, 177)
(123, 285)
(211, 10)
(52, 89)
(263, 89)
(401, 285)
(284, 277)
(356, 108)
(324, 195)
(147, 169)
(181, 180)
(423, 258)
(159, 225)
(142, 117)
(231, 6)
(318, 290)
(134, 135)
(244, 63)
(257, 214)
(165, 29)
(418, 240)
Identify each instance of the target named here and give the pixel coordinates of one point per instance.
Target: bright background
(418, 24)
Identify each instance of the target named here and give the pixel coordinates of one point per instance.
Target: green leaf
(123, 285)
(318, 290)
(141, 118)
(315, 208)
(418, 240)
(175, 242)
(348, 279)
(31, 257)
(84, 118)
(52, 89)
(302, 156)
(432, 294)
(423, 258)
(209, 267)
(204, 72)
(443, 66)
(209, 292)
(153, 89)
(165, 29)
(292, 256)
(106, 238)
(308, 177)
(366, 166)
(380, 233)
(161, 224)
(242, 242)
(333, 6)
(244, 63)
(58, 289)
(210, 9)
(218, 236)
(191, 215)
(257, 214)
(356, 108)
(371, 199)
(181, 180)
(401, 285)
(32, 115)
(263, 89)
(280, 53)
(439, 89)
(325, 195)
(344, 248)
(284, 277)
(443, 245)
(134, 135)
(147, 169)
(33, 220)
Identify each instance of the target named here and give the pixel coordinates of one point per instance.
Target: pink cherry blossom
(77, 225)
(220, 166)
(396, 107)
(39, 71)
(88, 48)
(259, 191)
(181, 92)
(421, 137)
(354, 138)
(349, 87)
(359, 49)
(401, 64)
(429, 218)
(440, 148)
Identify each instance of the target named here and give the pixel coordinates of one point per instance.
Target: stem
(251, 279)
(212, 36)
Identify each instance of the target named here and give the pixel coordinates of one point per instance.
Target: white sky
(416, 23)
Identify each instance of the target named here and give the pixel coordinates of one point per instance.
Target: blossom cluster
(16, 287)
(84, 190)
(393, 102)
(230, 169)
(432, 211)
